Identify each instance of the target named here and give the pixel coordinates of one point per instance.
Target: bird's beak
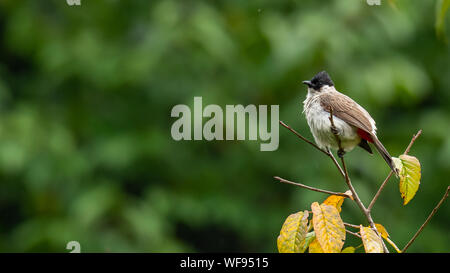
(308, 83)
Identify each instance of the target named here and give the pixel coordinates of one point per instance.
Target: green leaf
(310, 237)
(409, 177)
(348, 249)
(293, 233)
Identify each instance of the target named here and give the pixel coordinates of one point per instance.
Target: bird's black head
(320, 79)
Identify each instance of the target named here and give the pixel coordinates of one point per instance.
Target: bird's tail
(384, 153)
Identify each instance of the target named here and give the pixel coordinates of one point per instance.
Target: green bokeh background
(86, 93)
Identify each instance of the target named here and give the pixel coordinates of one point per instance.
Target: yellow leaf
(335, 201)
(293, 233)
(329, 228)
(383, 232)
(314, 247)
(372, 243)
(409, 177)
(348, 249)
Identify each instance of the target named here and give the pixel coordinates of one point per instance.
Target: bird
(353, 125)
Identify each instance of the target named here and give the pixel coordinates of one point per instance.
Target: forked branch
(326, 152)
(311, 188)
(391, 172)
(349, 183)
(343, 171)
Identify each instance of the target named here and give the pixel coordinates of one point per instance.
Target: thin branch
(412, 141)
(391, 172)
(427, 220)
(310, 188)
(346, 176)
(351, 225)
(327, 152)
(334, 129)
(353, 233)
(361, 205)
(379, 190)
(303, 138)
(352, 189)
(330, 154)
(350, 186)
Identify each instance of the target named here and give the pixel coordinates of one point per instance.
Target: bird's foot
(341, 153)
(334, 130)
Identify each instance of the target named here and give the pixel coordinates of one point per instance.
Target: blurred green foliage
(85, 99)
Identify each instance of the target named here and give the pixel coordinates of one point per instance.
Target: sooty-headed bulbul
(353, 124)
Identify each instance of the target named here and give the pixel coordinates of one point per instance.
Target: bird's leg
(336, 133)
(334, 130)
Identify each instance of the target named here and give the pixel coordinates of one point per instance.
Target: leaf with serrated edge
(409, 177)
(372, 243)
(329, 227)
(293, 233)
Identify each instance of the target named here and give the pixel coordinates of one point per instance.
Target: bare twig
(361, 205)
(302, 137)
(428, 219)
(412, 141)
(379, 190)
(351, 225)
(350, 186)
(353, 233)
(391, 172)
(310, 188)
(330, 154)
(343, 171)
(334, 129)
(326, 152)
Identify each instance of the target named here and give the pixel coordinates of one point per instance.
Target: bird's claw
(341, 153)
(334, 130)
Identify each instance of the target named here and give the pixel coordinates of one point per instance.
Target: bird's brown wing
(349, 111)
(346, 109)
